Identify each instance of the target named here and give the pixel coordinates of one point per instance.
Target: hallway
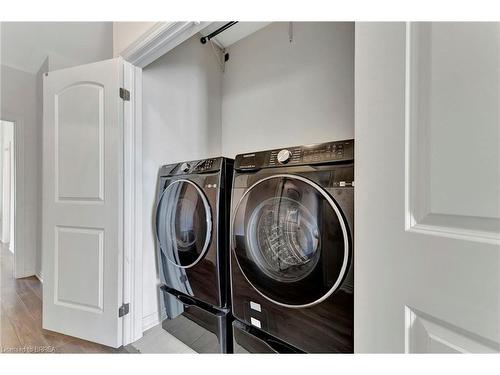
(21, 318)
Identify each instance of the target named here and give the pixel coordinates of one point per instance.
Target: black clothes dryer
(292, 245)
(191, 227)
(191, 224)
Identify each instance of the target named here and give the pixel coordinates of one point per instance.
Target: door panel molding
(71, 191)
(420, 216)
(427, 334)
(60, 231)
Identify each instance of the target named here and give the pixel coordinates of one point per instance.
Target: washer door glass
(183, 223)
(290, 240)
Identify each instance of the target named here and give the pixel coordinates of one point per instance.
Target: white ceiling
(234, 33)
(25, 45)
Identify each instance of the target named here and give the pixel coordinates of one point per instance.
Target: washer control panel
(299, 155)
(284, 156)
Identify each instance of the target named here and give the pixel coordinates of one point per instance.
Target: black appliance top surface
(321, 153)
(209, 165)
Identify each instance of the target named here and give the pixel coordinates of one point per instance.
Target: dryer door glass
(290, 240)
(183, 223)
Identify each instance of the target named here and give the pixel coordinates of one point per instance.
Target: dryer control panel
(323, 153)
(192, 167)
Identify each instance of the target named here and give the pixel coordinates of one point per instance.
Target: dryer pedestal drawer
(201, 327)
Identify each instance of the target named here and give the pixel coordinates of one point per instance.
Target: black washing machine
(292, 253)
(192, 220)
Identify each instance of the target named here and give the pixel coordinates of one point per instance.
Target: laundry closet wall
(18, 99)
(273, 93)
(280, 93)
(181, 121)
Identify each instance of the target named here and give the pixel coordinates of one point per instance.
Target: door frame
(154, 43)
(132, 203)
(158, 40)
(20, 256)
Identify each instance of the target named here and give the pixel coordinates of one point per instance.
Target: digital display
(248, 161)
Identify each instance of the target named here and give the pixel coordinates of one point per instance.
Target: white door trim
(160, 39)
(20, 257)
(132, 205)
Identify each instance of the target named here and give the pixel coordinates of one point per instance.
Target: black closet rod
(204, 39)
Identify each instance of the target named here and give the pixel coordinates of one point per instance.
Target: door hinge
(123, 310)
(124, 94)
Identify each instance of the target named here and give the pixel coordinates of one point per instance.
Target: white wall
(7, 149)
(25, 45)
(18, 99)
(126, 33)
(181, 121)
(277, 93)
(39, 137)
(56, 46)
(1, 180)
(12, 182)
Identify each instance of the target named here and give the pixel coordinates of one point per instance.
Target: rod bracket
(205, 39)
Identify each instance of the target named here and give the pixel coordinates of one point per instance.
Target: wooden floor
(21, 317)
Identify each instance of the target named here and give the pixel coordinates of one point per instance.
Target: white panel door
(427, 187)
(82, 202)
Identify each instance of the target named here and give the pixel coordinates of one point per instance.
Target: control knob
(284, 156)
(185, 167)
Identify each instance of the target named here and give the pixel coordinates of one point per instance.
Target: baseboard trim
(23, 275)
(151, 320)
(39, 277)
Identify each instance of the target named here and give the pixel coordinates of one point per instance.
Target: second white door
(427, 260)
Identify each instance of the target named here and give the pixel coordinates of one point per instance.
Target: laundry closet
(278, 98)
(255, 86)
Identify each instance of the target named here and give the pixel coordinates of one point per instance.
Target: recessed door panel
(427, 334)
(79, 262)
(453, 133)
(79, 122)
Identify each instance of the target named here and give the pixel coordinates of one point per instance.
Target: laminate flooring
(21, 318)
